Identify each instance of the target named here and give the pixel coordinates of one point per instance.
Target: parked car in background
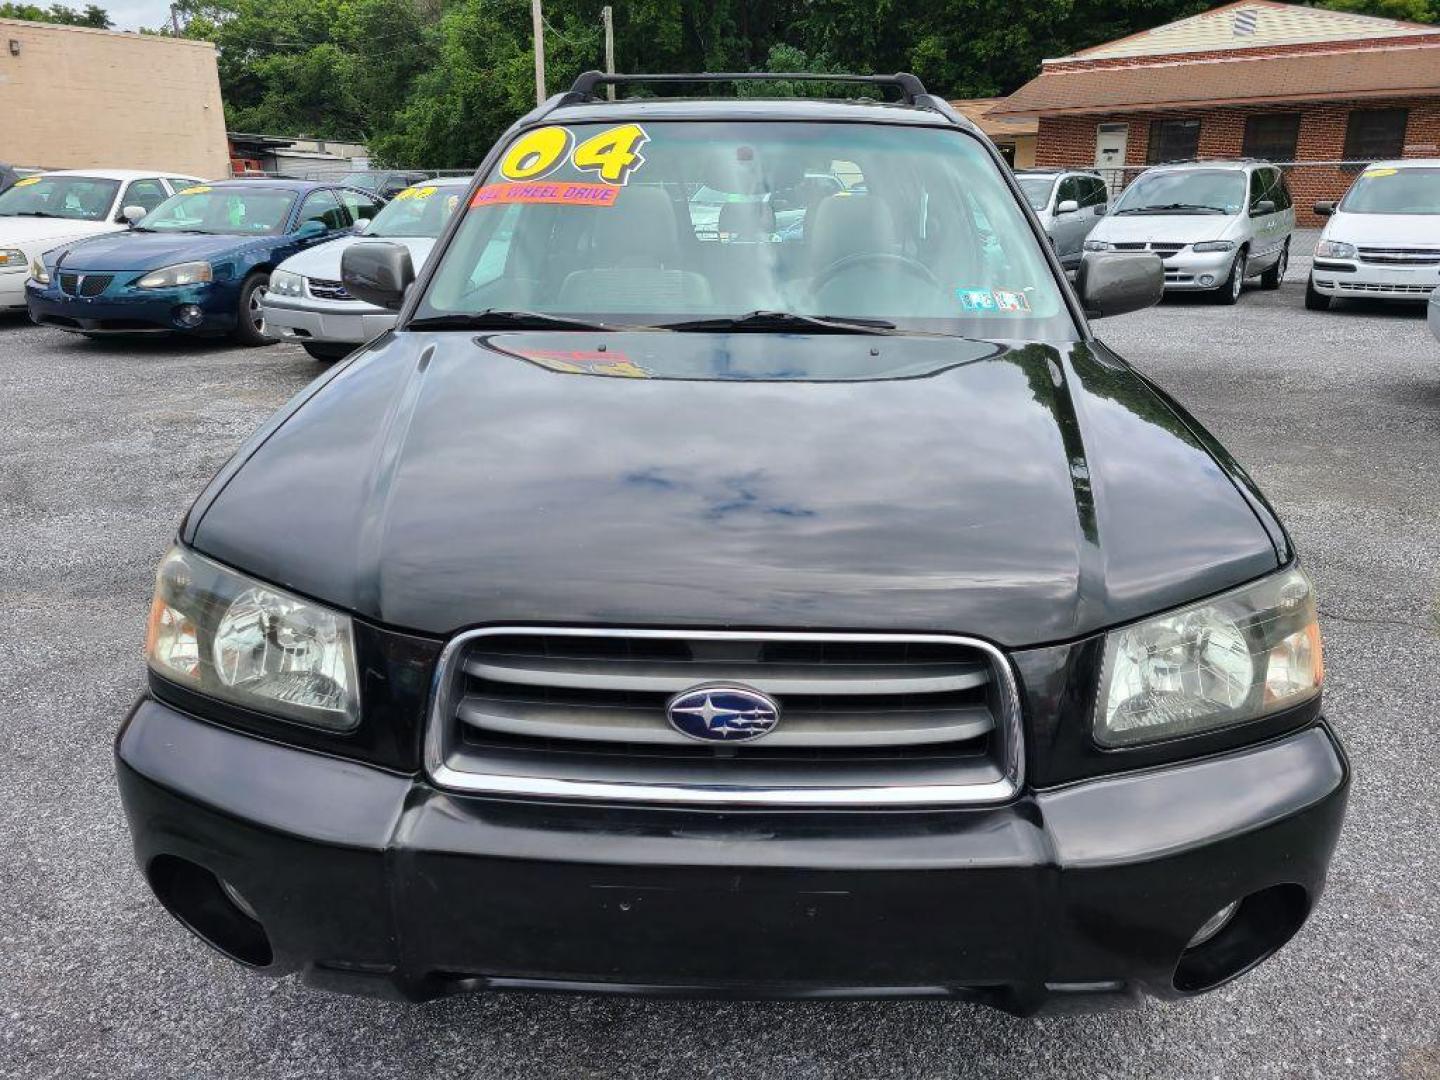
(1382, 241)
(387, 183)
(1069, 206)
(749, 616)
(46, 210)
(11, 173)
(1214, 223)
(307, 303)
(198, 264)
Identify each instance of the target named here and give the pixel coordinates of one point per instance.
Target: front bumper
(1360, 280)
(301, 321)
(127, 310)
(1188, 270)
(373, 882)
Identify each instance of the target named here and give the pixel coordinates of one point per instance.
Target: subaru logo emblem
(730, 714)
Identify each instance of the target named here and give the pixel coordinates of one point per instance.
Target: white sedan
(42, 212)
(307, 303)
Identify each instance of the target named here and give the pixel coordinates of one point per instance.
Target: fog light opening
(1207, 279)
(212, 909)
(1239, 936)
(188, 316)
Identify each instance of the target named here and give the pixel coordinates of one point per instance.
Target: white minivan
(1382, 241)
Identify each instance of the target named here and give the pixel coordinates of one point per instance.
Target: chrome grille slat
(802, 727)
(889, 719)
(672, 676)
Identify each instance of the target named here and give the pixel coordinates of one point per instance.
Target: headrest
(639, 227)
(845, 225)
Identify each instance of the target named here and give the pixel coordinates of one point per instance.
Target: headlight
(1214, 245)
(1098, 245)
(285, 283)
(1239, 657)
(1334, 249)
(38, 273)
(191, 273)
(13, 259)
(226, 635)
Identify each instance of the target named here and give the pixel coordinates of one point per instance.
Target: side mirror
(361, 224)
(133, 214)
(1067, 206)
(1325, 209)
(311, 229)
(1264, 206)
(379, 272)
(1112, 283)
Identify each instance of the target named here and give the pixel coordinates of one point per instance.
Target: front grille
(1400, 256)
(85, 284)
(325, 289)
(879, 719)
(1369, 287)
(1164, 250)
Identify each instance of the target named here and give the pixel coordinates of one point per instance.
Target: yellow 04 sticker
(613, 155)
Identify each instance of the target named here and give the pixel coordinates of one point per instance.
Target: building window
(1272, 137)
(1174, 140)
(1374, 134)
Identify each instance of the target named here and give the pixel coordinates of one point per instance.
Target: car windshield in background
(1037, 190)
(203, 209)
(417, 211)
(1394, 191)
(85, 198)
(756, 226)
(365, 181)
(1185, 191)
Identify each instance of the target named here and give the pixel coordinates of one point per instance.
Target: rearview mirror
(133, 214)
(377, 272)
(1325, 209)
(309, 229)
(361, 224)
(1112, 283)
(1067, 206)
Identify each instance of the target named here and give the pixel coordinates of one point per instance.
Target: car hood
(1174, 228)
(323, 260)
(37, 235)
(1025, 495)
(1401, 230)
(132, 250)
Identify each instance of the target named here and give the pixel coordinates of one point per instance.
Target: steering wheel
(865, 258)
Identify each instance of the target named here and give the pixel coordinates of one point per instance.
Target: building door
(1110, 141)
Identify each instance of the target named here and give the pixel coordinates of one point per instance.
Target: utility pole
(174, 21)
(538, 23)
(607, 16)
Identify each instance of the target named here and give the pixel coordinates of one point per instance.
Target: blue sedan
(199, 263)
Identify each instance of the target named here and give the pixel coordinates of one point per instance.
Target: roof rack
(910, 87)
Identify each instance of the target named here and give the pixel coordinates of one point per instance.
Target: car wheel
(326, 354)
(1314, 300)
(1272, 278)
(1229, 290)
(250, 314)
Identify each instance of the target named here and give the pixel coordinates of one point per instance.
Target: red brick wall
(1070, 141)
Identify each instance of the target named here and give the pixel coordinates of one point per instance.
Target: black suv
(673, 604)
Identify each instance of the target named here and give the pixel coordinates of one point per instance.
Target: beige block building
(72, 97)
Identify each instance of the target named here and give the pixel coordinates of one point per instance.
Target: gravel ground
(101, 448)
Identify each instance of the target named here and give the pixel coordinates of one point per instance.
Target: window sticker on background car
(1011, 300)
(579, 362)
(198, 189)
(416, 193)
(27, 181)
(975, 299)
(561, 192)
(1380, 172)
(613, 155)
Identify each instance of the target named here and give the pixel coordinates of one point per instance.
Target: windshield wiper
(501, 319)
(34, 213)
(1167, 208)
(785, 320)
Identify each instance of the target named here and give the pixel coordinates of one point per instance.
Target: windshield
(899, 228)
(365, 181)
(1037, 190)
(1394, 191)
(228, 210)
(417, 211)
(84, 198)
(1185, 191)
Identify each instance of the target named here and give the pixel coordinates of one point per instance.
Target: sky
(133, 14)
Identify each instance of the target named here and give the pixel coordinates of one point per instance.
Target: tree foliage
(90, 15)
(433, 82)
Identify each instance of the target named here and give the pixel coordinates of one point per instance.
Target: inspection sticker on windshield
(566, 192)
(1011, 300)
(975, 299)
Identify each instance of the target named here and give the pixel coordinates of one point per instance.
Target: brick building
(1327, 90)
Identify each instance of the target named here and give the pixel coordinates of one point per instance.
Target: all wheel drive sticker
(612, 156)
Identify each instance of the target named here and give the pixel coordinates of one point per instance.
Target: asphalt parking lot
(102, 446)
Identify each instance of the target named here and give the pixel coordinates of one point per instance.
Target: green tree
(90, 15)
(1421, 11)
